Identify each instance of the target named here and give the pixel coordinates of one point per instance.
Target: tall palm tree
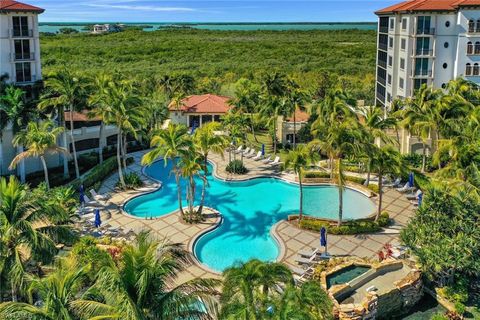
(237, 125)
(18, 113)
(170, 144)
(189, 167)
(296, 102)
(30, 227)
(207, 141)
(58, 292)
(298, 160)
(141, 286)
(386, 160)
(40, 140)
(271, 109)
(246, 100)
(248, 286)
(65, 91)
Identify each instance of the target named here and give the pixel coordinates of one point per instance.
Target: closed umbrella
(263, 149)
(411, 180)
(420, 199)
(82, 195)
(98, 221)
(323, 239)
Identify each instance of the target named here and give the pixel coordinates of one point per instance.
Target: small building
(288, 126)
(104, 28)
(199, 109)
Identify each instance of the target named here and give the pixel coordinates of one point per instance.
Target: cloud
(143, 8)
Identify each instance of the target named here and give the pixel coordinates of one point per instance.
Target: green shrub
(348, 227)
(236, 167)
(88, 160)
(374, 187)
(132, 181)
(316, 174)
(415, 160)
(355, 179)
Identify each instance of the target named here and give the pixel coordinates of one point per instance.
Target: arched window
(476, 69)
(477, 29)
(471, 26)
(477, 47)
(469, 47)
(468, 69)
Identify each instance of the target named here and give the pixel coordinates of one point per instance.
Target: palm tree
(237, 125)
(65, 91)
(298, 160)
(29, 230)
(246, 100)
(296, 101)
(386, 160)
(141, 286)
(58, 292)
(206, 141)
(18, 113)
(272, 107)
(170, 144)
(190, 166)
(40, 140)
(248, 286)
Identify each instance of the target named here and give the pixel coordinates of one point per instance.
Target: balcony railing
(21, 33)
(382, 46)
(382, 63)
(22, 56)
(383, 29)
(426, 31)
(382, 80)
(381, 97)
(423, 52)
(422, 73)
(33, 78)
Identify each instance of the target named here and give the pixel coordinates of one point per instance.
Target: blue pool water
(249, 210)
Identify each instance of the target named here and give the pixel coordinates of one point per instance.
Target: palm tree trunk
(274, 136)
(63, 139)
(204, 186)
(72, 141)
(100, 142)
(367, 182)
(45, 171)
(252, 127)
(424, 156)
(179, 192)
(119, 161)
(124, 151)
(21, 167)
(300, 216)
(191, 198)
(1, 157)
(340, 192)
(294, 130)
(380, 195)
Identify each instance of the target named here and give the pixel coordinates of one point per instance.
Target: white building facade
(426, 41)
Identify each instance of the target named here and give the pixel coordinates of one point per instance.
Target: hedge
(98, 173)
(348, 227)
(326, 175)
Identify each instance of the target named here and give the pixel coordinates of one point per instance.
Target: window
(447, 24)
(445, 45)
(389, 97)
(20, 26)
(423, 46)
(23, 72)
(418, 83)
(403, 44)
(445, 65)
(477, 47)
(421, 67)
(401, 83)
(22, 49)
(469, 47)
(390, 42)
(476, 69)
(477, 29)
(471, 25)
(444, 85)
(402, 63)
(404, 24)
(390, 61)
(392, 23)
(389, 79)
(468, 69)
(423, 25)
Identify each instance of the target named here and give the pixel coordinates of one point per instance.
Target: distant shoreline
(207, 23)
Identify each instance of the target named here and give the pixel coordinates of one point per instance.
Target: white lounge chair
(394, 184)
(97, 196)
(276, 161)
(246, 151)
(267, 160)
(89, 202)
(258, 156)
(252, 154)
(414, 196)
(239, 149)
(307, 261)
(309, 253)
(405, 188)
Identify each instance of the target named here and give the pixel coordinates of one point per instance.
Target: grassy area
(264, 138)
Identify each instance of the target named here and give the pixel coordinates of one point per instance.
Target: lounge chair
(394, 184)
(414, 196)
(267, 160)
(246, 151)
(258, 156)
(250, 154)
(307, 261)
(97, 196)
(89, 202)
(405, 188)
(239, 149)
(309, 253)
(276, 161)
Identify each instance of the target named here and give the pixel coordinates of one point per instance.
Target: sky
(208, 11)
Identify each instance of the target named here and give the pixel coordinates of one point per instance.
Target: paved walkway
(294, 239)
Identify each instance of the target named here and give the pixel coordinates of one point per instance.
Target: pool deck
(291, 238)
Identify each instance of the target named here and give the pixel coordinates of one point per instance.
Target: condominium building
(426, 41)
(19, 42)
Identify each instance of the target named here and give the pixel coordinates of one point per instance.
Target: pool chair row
(257, 155)
(308, 259)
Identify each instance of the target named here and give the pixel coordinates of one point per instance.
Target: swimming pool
(249, 209)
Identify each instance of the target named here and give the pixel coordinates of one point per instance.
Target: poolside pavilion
(196, 110)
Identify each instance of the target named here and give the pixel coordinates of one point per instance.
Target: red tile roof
(300, 116)
(427, 5)
(205, 103)
(80, 116)
(15, 6)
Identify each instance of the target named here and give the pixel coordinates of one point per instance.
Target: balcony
(426, 31)
(21, 33)
(423, 52)
(422, 73)
(32, 79)
(15, 57)
(382, 63)
(381, 80)
(382, 46)
(383, 29)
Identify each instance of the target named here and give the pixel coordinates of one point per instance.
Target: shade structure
(98, 221)
(420, 198)
(323, 237)
(82, 194)
(411, 180)
(263, 149)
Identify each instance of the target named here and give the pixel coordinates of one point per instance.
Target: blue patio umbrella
(98, 221)
(411, 180)
(420, 198)
(263, 149)
(323, 238)
(82, 194)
